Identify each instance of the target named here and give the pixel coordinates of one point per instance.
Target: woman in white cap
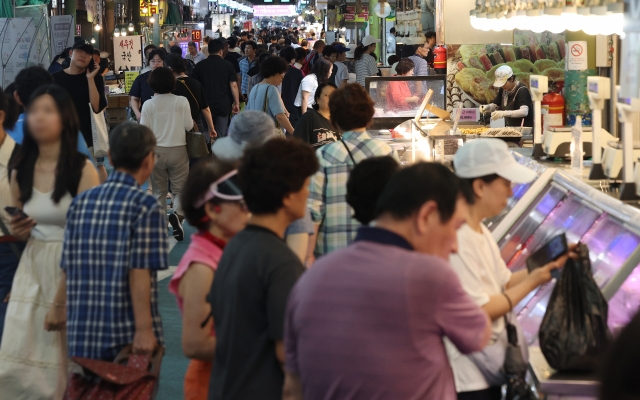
(489, 169)
(513, 102)
(366, 64)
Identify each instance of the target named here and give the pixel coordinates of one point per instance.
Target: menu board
(129, 77)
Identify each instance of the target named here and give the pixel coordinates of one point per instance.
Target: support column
(70, 9)
(109, 25)
(374, 27)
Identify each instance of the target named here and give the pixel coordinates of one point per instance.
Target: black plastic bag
(574, 331)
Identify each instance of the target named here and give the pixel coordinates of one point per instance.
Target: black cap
(223, 40)
(83, 45)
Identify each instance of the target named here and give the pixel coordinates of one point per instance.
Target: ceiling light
(93, 40)
(116, 33)
(123, 32)
(144, 10)
(152, 20)
(98, 27)
(571, 19)
(131, 28)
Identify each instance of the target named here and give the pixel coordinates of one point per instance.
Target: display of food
(473, 131)
(478, 63)
(493, 132)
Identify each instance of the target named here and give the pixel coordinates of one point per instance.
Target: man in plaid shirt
(115, 242)
(351, 112)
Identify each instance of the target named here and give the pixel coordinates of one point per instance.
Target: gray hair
(252, 127)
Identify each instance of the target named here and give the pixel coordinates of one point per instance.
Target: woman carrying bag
(265, 96)
(489, 170)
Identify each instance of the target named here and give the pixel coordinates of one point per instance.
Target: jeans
(222, 125)
(8, 265)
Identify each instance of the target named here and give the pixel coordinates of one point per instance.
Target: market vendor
(513, 102)
(399, 96)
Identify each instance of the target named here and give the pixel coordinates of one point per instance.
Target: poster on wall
(471, 68)
(25, 43)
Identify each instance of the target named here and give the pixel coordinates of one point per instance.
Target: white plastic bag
(100, 133)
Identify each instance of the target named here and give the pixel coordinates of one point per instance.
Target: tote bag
(100, 133)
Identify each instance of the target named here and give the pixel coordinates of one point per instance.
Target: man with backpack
(307, 65)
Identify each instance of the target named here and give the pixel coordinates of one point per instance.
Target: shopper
(300, 56)
(313, 56)
(233, 46)
(399, 95)
(487, 167)
(290, 84)
(147, 51)
(265, 96)
(86, 88)
(109, 268)
(247, 129)
(421, 68)
(617, 371)
(315, 126)
(351, 111)
(219, 80)
(365, 64)
(205, 46)
(26, 83)
(168, 116)
(366, 182)
(320, 74)
(258, 268)
(230, 54)
(255, 76)
(192, 90)
(340, 74)
(430, 44)
(214, 205)
(245, 65)
(193, 54)
(392, 290)
(350, 61)
(10, 247)
(46, 174)
(140, 91)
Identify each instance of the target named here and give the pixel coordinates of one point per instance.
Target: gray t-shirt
(257, 100)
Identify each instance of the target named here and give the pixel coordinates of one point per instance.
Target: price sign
(129, 77)
(469, 114)
(196, 35)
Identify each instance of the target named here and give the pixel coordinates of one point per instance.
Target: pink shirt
(201, 250)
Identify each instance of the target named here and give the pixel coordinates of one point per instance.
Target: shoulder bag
(279, 131)
(196, 142)
(129, 376)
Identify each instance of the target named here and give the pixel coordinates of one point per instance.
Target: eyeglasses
(154, 61)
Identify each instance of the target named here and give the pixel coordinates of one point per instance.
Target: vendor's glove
(498, 115)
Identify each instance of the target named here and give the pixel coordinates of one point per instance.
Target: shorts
(99, 161)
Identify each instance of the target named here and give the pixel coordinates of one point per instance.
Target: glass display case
(398, 98)
(608, 227)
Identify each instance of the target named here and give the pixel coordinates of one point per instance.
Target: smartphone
(549, 252)
(13, 211)
(91, 65)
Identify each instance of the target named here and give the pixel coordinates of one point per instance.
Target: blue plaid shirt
(110, 229)
(245, 65)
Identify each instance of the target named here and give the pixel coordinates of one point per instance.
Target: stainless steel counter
(554, 385)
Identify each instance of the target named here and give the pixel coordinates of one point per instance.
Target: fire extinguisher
(554, 103)
(440, 60)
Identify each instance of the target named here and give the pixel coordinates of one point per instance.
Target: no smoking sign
(577, 56)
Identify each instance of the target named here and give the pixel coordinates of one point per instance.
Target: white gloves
(498, 115)
(488, 108)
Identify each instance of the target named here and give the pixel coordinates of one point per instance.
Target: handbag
(196, 142)
(138, 379)
(100, 133)
(278, 131)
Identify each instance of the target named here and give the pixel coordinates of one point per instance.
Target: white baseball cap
(351, 50)
(482, 157)
(369, 40)
(502, 75)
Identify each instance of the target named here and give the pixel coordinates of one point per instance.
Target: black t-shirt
(193, 91)
(78, 88)
(519, 97)
(290, 86)
(248, 299)
(430, 58)
(141, 89)
(233, 58)
(313, 128)
(215, 75)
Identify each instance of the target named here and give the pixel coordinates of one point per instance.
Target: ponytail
(359, 51)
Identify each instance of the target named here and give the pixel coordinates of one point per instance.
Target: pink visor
(225, 188)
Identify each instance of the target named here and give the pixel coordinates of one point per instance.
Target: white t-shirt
(168, 116)
(309, 84)
(342, 74)
(483, 274)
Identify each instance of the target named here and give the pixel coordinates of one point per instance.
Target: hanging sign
(577, 56)
(127, 53)
(61, 33)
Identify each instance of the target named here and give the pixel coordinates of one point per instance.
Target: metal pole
(383, 40)
(613, 103)
(156, 29)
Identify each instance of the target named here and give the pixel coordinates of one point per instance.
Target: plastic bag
(574, 330)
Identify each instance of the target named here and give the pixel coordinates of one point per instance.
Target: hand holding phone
(553, 250)
(16, 212)
(21, 224)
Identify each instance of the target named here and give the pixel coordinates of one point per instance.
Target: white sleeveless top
(51, 218)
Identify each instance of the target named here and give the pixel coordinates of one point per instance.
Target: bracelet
(509, 300)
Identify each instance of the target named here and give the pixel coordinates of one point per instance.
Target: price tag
(469, 114)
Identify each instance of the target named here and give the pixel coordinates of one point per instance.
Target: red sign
(576, 50)
(78, 29)
(349, 17)
(196, 35)
(153, 9)
(351, 9)
(363, 15)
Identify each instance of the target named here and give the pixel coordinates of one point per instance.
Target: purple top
(367, 321)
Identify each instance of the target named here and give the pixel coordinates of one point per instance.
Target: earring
(217, 209)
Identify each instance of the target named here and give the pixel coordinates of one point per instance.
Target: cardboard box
(118, 101)
(117, 115)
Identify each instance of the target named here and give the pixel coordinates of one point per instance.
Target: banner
(61, 33)
(24, 44)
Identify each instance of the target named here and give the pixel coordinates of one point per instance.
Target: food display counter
(557, 202)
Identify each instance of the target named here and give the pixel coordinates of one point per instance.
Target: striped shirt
(111, 229)
(366, 66)
(245, 66)
(328, 188)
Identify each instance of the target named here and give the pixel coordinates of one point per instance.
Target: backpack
(307, 64)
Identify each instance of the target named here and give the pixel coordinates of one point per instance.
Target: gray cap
(247, 129)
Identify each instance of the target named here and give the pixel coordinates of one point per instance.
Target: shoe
(178, 230)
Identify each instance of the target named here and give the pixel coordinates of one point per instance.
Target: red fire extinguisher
(554, 103)
(440, 60)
